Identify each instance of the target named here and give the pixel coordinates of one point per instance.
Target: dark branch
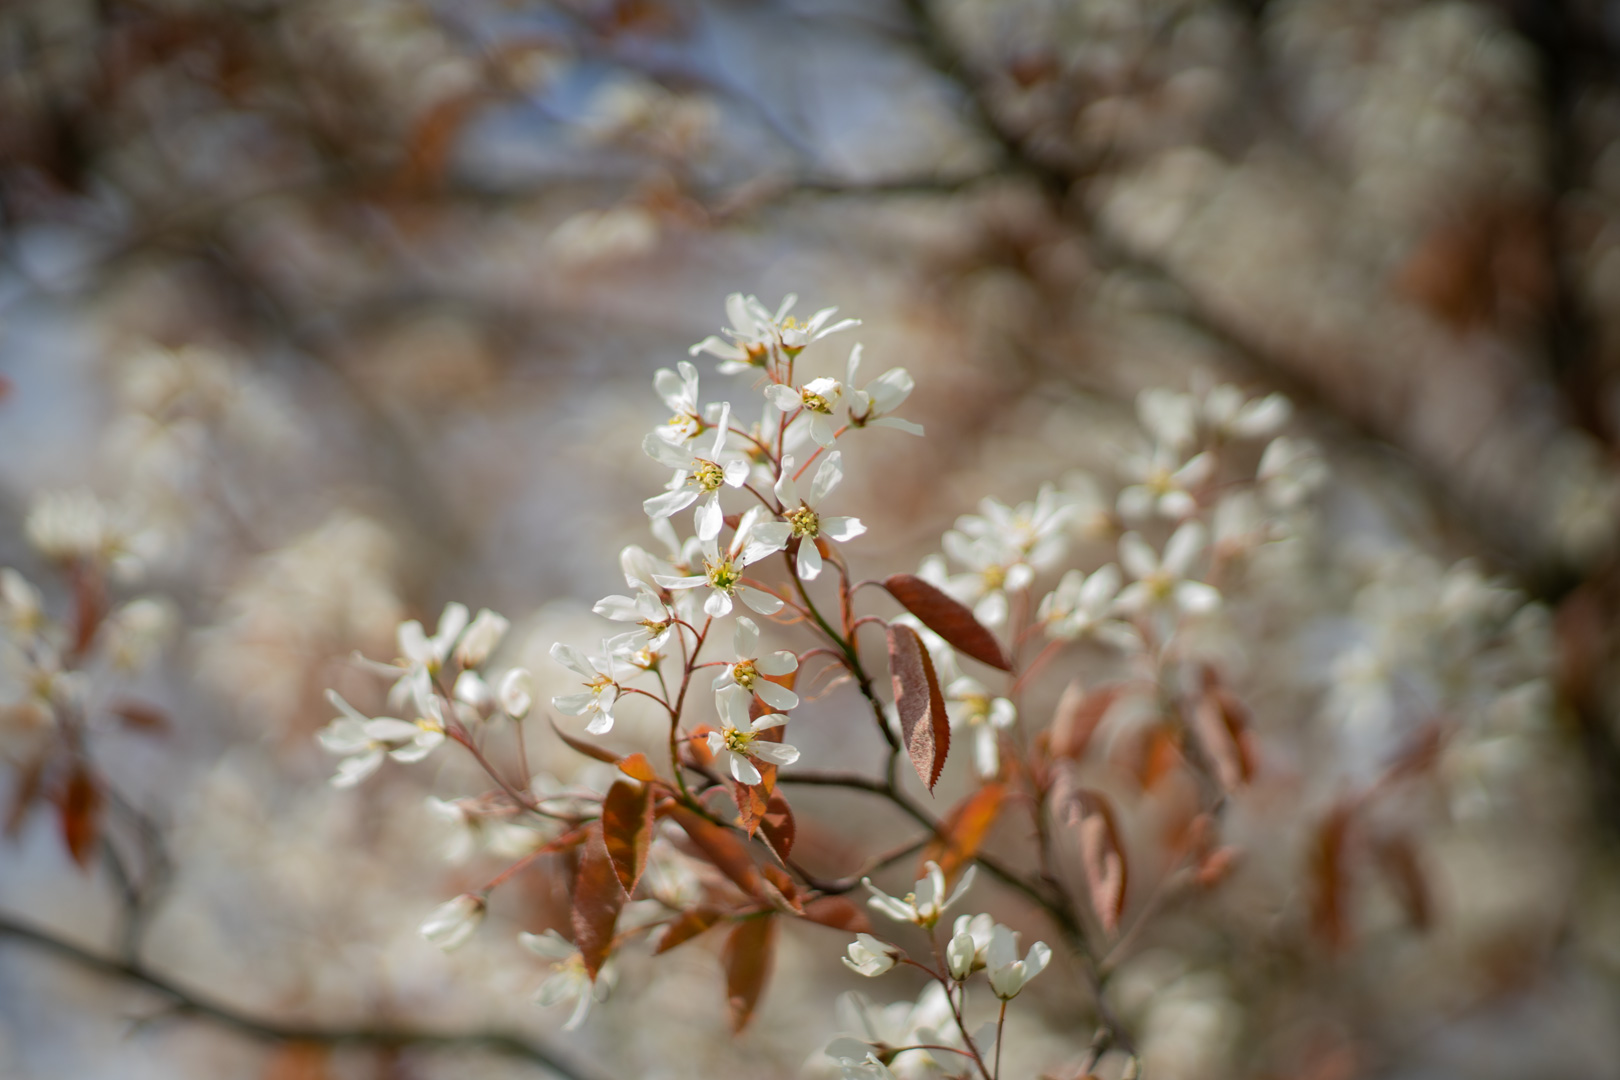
(190, 1003)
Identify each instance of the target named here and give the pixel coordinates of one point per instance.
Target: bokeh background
(347, 308)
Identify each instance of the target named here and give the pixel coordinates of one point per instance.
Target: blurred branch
(190, 1003)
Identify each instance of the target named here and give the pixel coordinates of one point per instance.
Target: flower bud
(481, 638)
(516, 694)
(453, 922)
(869, 956)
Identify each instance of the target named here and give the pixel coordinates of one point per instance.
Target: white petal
(777, 663)
(574, 660)
(709, 517)
(745, 639)
(743, 769)
(775, 753)
(775, 695)
(1138, 559)
(670, 502)
(718, 604)
(732, 705)
(1195, 596)
(601, 723)
(841, 528)
(762, 602)
(827, 477)
(783, 397)
(821, 429)
(787, 492)
(1183, 548)
(898, 424)
(352, 770)
(809, 561)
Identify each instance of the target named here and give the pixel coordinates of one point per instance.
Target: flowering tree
(1218, 736)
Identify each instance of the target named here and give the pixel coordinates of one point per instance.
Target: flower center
(723, 575)
(708, 476)
(816, 403)
(994, 577)
(805, 522)
(744, 673)
(599, 684)
(737, 740)
(977, 708)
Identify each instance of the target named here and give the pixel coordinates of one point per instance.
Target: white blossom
(568, 980)
(453, 923)
(870, 956)
(601, 688)
(749, 669)
(819, 399)
(1170, 416)
(363, 741)
(801, 518)
(922, 906)
(680, 394)
(723, 572)
(871, 405)
(701, 470)
(416, 649)
(1008, 974)
(1164, 582)
(970, 940)
(1162, 486)
(1229, 414)
(516, 693)
(971, 706)
(481, 638)
(992, 572)
(739, 741)
(656, 619)
(1082, 605)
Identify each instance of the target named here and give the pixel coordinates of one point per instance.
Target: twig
(190, 1003)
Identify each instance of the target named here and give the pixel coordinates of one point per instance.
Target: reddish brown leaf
(89, 605)
(1077, 716)
(1101, 852)
(1398, 858)
(785, 888)
(747, 962)
(588, 749)
(598, 896)
(965, 829)
(924, 725)
(79, 810)
(1330, 878)
(627, 829)
(778, 825)
(722, 848)
(838, 912)
(637, 767)
(140, 716)
(948, 618)
(1221, 723)
(30, 782)
(688, 925)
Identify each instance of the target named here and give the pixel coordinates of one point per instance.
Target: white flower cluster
(710, 450)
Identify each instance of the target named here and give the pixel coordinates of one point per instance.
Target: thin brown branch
(190, 1003)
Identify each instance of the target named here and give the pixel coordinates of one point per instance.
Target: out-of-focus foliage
(315, 315)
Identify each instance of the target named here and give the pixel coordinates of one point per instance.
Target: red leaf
(948, 618)
(627, 830)
(786, 890)
(1330, 879)
(838, 912)
(965, 829)
(688, 925)
(1221, 723)
(1101, 852)
(1398, 857)
(598, 896)
(637, 767)
(924, 726)
(1077, 716)
(30, 782)
(79, 809)
(722, 848)
(747, 961)
(139, 716)
(779, 827)
(588, 749)
(89, 606)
